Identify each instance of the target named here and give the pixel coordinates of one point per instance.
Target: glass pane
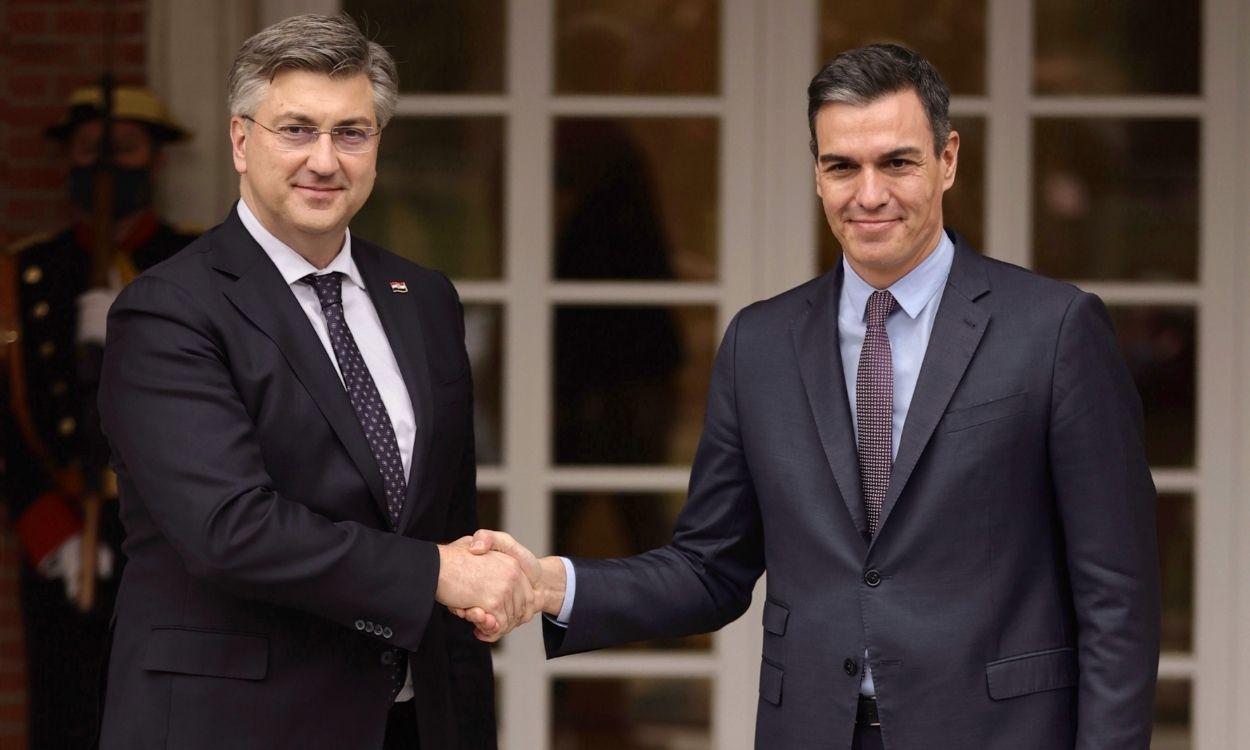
(631, 714)
(1172, 716)
(631, 382)
(1159, 345)
(951, 35)
(439, 45)
(637, 46)
(483, 337)
(636, 198)
(1116, 199)
(439, 194)
(1117, 46)
(963, 208)
(1176, 558)
(619, 524)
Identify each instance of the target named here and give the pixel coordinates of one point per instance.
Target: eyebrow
(304, 119)
(894, 154)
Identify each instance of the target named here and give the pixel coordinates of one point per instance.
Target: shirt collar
(291, 264)
(914, 290)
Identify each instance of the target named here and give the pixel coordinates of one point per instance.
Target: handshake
(494, 582)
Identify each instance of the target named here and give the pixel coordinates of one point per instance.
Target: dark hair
(862, 75)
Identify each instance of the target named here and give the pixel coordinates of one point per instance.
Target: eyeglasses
(347, 139)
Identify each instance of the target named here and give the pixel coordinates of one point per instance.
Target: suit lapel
(260, 293)
(957, 330)
(815, 339)
(402, 322)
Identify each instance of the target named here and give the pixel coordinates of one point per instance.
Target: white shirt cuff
(570, 590)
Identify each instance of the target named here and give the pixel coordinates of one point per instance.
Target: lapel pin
(399, 287)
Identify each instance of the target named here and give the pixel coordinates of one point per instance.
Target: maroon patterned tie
(874, 406)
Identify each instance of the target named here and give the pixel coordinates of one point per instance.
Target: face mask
(132, 189)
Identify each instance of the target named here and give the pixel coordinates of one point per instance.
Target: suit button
(388, 658)
(368, 626)
(850, 667)
(360, 624)
(387, 632)
(872, 578)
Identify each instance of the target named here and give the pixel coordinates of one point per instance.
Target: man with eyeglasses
(290, 412)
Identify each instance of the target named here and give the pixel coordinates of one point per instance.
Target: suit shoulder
(403, 269)
(784, 307)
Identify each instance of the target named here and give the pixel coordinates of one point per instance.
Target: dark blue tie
(874, 406)
(362, 391)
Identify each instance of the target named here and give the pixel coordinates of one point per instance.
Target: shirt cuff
(570, 590)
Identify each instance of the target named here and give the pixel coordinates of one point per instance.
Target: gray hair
(863, 75)
(319, 44)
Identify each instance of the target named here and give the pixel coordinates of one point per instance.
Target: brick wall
(48, 48)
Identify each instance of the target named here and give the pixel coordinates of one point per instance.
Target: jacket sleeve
(1106, 502)
(704, 578)
(184, 441)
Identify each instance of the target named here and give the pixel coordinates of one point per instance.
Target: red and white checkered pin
(399, 287)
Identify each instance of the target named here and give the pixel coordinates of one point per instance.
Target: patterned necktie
(874, 406)
(362, 391)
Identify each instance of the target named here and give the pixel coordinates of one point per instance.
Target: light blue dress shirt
(918, 295)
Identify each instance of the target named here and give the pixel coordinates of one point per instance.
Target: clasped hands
(494, 582)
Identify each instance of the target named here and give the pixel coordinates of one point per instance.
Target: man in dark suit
(289, 408)
(936, 456)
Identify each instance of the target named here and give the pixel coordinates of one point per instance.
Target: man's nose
(322, 157)
(872, 192)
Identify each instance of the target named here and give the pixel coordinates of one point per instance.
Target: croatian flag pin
(399, 287)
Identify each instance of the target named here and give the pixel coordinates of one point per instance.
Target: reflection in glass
(438, 196)
(1117, 46)
(949, 33)
(637, 46)
(963, 206)
(439, 45)
(1172, 716)
(630, 382)
(631, 714)
(1115, 199)
(1176, 559)
(619, 524)
(636, 198)
(1158, 344)
(483, 337)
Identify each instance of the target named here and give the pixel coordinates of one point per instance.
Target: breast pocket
(966, 417)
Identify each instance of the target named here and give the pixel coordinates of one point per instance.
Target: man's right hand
(547, 574)
(493, 583)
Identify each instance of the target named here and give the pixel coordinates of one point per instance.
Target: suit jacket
(265, 603)
(1010, 598)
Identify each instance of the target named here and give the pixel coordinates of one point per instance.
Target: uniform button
(59, 388)
(40, 310)
(388, 658)
(67, 426)
(850, 667)
(872, 577)
(9, 336)
(360, 624)
(47, 349)
(32, 275)
(387, 632)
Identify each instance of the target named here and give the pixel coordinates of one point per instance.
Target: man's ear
(239, 133)
(950, 160)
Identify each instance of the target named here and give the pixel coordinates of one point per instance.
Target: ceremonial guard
(55, 295)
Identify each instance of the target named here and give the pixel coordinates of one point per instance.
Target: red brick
(28, 84)
(130, 53)
(35, 177)
(132, 22)
(85, 22)
(58, 54)
(30, 117)
(28, 22)
(12, 712)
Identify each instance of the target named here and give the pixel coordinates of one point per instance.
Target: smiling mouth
(873, 223)
(318, 189)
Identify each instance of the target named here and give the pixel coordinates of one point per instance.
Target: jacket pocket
(990, 411)
(775, 617)
(770, 681)
(209, 653)
(1032, 673)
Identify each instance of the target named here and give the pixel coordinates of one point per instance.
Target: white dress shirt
(366, 329)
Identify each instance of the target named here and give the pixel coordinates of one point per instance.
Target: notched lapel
(260, 294)
(957, 330)
(815, 339)
(402, 321)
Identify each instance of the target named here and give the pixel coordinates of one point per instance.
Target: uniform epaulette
(14, 248)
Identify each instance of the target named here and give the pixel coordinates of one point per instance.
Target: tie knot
(880, 304)
(328, 286)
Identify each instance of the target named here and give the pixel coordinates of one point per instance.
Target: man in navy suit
(936, 456)
(290, 412)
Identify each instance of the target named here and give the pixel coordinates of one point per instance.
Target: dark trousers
(867, 738)
(401, 727)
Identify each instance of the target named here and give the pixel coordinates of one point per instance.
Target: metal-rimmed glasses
(347, 139)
